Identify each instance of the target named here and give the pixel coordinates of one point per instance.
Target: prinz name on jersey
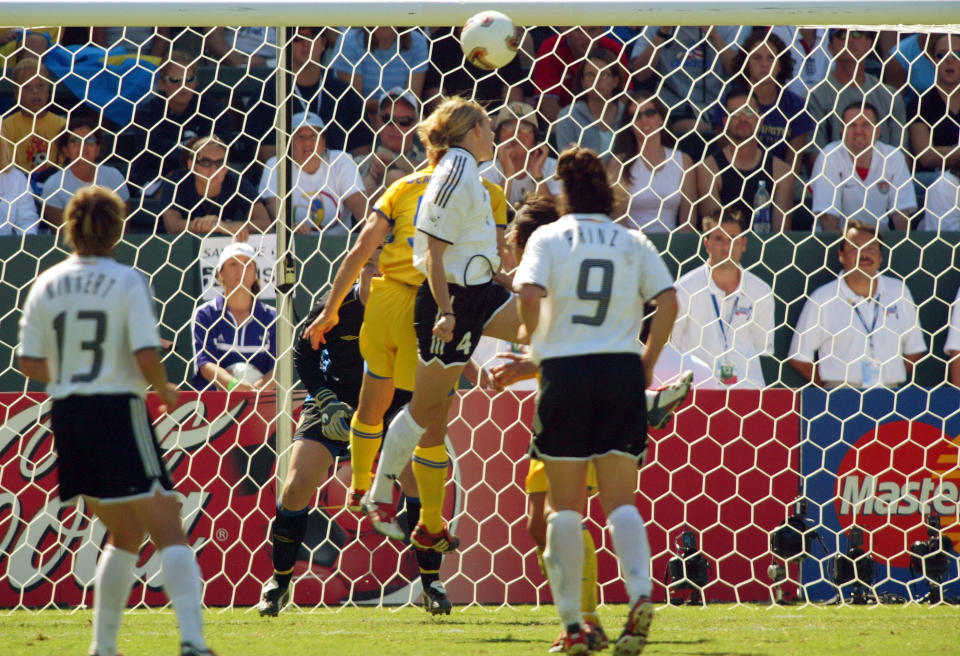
(592, 235)
(93, 284)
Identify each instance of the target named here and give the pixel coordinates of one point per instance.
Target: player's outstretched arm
(34, 368)
(374, 232)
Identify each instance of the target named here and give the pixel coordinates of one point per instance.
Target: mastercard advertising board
(883, 461)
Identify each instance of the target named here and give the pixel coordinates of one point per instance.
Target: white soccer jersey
(318, 197)
(456, 209)
(596, 275)
(853, 334)
(838, 189)
(87, 316)
(731, 330)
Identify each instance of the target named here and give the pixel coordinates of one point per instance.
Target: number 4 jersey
(596, 277)
(87, 316)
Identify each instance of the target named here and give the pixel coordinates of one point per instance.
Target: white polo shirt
(838, 189)
(318, 196)
(725, 329)
(852, 333)
(455, 208)
(953, 333)
(942, 205)
(596, 277)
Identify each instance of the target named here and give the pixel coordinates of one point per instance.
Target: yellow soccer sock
(588, 582)
(430, 470)
(365, 440)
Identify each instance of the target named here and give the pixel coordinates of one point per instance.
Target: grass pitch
(712, 631)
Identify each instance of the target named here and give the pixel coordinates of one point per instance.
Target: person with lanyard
(860, 330)
(333, 376)
(726, 313)
(582, 286)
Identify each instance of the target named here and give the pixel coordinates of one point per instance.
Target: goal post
(721, 481)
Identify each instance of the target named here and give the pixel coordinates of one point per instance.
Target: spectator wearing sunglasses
(210, 198)
(935, 134)
(848, 83)
(397, 152)
(175, 114)
(80, 147)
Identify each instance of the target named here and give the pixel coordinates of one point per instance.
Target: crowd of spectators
(694, 122)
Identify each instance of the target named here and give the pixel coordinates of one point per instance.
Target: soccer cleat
(634, 637)
(596, 636)
(355, 499)
(667, 400)
(441, 542)
(435, 599)
(576, 642)
(187, 649)
(559, 645)
(383, 516)
(273, 599)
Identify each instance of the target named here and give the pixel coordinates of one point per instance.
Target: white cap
(306, 118)
(399, 93)
(236, 249)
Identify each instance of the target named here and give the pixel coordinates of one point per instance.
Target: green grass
(518, 631)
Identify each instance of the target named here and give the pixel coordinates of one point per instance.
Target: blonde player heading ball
(89, 332)
(582, 285)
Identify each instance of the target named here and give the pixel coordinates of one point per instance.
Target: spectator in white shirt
(18, 212)
(327, 191)
(942, 203)
(522, 164)
(860, 330)
(726, 314)
(862, 178)
(654, 183)
(952, 345)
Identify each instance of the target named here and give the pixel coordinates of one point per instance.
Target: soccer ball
(489, 40)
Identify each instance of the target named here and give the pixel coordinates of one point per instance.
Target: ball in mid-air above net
(489, 40)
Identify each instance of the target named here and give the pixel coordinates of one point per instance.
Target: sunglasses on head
(89, 139)
(207, 163)
(177, 80)
(402, 121)
(746, 110)
(943, 55)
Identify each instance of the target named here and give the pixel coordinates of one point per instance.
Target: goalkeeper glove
(335, 416)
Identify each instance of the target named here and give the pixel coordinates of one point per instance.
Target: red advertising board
(725, 472)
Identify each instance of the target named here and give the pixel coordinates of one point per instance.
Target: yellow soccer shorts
(537, 478)
(388, 342)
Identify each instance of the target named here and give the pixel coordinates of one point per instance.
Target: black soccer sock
(410, 514)
(286, 535)
(428, 559)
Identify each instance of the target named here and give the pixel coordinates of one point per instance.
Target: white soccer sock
(633, 550)
(651, 397)
(400, 440)
(111, 589)
(563, 559)
(184, 588)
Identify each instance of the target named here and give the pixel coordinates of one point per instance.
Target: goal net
(764, 486)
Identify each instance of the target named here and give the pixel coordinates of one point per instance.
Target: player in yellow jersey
(388, 342)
